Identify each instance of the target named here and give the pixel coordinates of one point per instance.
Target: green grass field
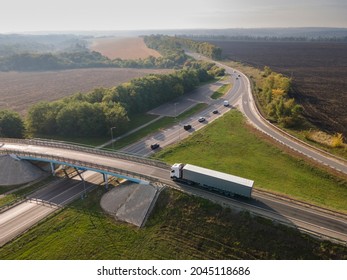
(186, 227)
(180, 227)
(221, 91)
(230, 145)
(256, 78)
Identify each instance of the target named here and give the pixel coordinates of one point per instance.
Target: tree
(41, 118)
(11, 124)
(337, 140)
(95, 96)
(115, 116)
(267, 71)
(81, 119)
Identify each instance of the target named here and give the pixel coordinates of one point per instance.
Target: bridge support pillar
(79, 174)
(105, 180)
(67, 175)
(53, 168)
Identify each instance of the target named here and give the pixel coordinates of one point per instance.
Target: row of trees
(167, 45)
(204, 48)
(49, 61)
(85, 59)
(93, 113)
(274, 96)
(74, 118)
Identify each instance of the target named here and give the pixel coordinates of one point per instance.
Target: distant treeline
(268, 38)
(166, 45)
(50, 61)
(18, 44)
(171, 48)
(93, 114)
(83, 59)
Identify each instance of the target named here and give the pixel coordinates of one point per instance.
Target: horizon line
(161, 29)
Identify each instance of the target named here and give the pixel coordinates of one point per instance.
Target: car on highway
(187, 126)
(201, 119)
(155, 146)
(215, 111)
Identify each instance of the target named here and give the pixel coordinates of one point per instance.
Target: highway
(248, 107)
(42, 203)
(323, 158)
(240, 95)
(176, 133)
(308, 218)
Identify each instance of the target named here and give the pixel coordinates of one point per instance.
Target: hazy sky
(65, 15)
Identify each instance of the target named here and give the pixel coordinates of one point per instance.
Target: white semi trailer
(223, 183)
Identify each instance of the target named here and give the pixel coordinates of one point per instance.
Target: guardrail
(86, 149)
(44, 202)
(80, 163)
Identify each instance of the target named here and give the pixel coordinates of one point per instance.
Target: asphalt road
(302, 216)
(248, 107)
(305, 217)
(175, 133)
(42, 203)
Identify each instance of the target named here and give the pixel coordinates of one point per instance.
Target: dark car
(187, 126)
(215, 112)
(155, 146)
(201, 119)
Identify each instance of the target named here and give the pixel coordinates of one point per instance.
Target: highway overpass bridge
(314, 220)
(122, 165)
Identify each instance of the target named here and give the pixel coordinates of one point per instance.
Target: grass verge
(221, 91)
(230, 145)
(180, 227)
(305, 127)
(156, 126)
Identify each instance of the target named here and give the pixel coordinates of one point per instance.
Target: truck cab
(176, 171)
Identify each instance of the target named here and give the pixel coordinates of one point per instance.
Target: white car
(201, 119)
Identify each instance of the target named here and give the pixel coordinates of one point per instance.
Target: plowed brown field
(20, 90)
(319, 72)
(124, 48)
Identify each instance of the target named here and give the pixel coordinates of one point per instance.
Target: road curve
(252, 113)
(311, 219)
(249, 108)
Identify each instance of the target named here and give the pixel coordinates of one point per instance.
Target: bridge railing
(86, 149)
(80, 164)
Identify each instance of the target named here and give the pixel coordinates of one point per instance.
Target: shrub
(337, 140)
